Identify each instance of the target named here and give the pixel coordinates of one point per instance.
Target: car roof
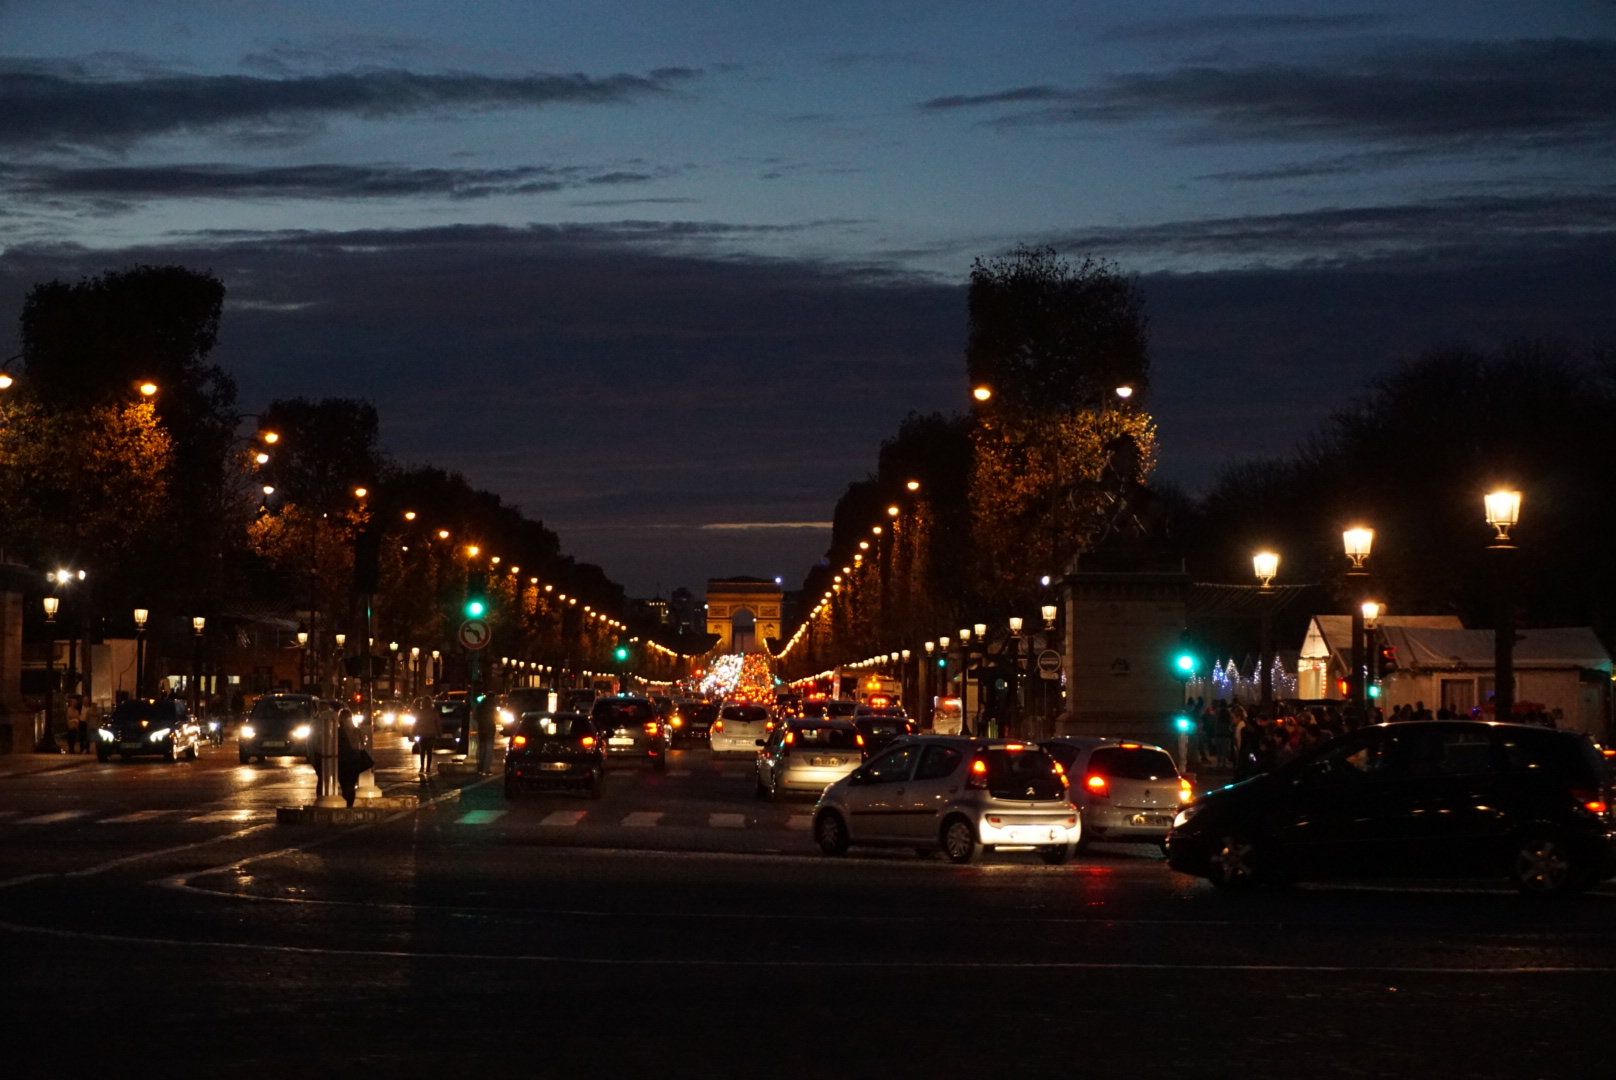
(1094, 742)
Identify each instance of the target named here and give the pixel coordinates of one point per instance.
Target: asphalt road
(153, 916)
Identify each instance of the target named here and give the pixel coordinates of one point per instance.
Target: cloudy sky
(684, 265)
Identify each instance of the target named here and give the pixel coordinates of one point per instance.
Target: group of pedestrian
(80, 735)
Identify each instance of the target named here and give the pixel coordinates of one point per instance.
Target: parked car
(1126, 791)
(555, 750)
(738, 729)
(139, 727)
(961, 795)
(878, 731)
(1429, 799)
(278, 726)
(691, 722)
(806, 755)
(632, 729)
(454, 720)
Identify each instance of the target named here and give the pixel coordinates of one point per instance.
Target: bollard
(328, 794)
(367, 779)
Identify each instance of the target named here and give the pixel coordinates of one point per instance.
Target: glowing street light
(982, 393)
(1266, 565)
(147, 389)
(1357, 542)
(1503, 512)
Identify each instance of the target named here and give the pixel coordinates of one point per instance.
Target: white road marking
(678, 772)
(642, 819)
(800, 821)
(481, 817)
(563, 817)
(138, 815)
(8, 813)
(232, 815)
(726, 821)
(52, 819)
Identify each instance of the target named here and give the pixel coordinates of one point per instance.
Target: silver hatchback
(962, 795)
(806, 755)
(1126, 791)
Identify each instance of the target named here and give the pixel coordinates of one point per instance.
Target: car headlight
(506, 716)
(106, 734)
(302, 732)
(388, 718)
(407, 720)
(1184, 815)
(247, 732)
(213, 725)
(160, 734)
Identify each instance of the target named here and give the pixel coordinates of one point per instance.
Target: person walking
(427, 729)
(352, 757)
(486, 713)
(75, 725)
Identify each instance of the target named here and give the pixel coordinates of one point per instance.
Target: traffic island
(368, 811)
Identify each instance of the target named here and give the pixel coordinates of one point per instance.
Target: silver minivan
(1125, 790)
(806, 755)
(964, 796)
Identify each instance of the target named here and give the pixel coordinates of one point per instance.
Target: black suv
(560, 750)
(632, 728)
(139, 727)
(1424, 799)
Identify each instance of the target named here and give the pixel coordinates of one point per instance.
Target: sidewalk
(30, 764)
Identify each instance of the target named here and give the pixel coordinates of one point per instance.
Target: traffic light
(1185, 662)
(621, 654)
(1385, 661)
(1184, 724)
(476, 595)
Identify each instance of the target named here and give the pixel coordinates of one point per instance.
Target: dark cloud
(1243, 25)
(137, 183)
(44, 108)
(1552, 91)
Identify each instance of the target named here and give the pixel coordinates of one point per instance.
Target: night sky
(665, 274)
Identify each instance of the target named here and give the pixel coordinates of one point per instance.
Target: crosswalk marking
(481, 817)
(678, 772)
(138, 815)
(51, 819)
(799, 821)
(9, 813)
(642, 819)
(230, 815)
(726, 821)
(563, 817)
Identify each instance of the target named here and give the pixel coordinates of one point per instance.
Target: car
(523, 700)
(738, 729)
(787, 706)
(806, 755)
(878, 731)
(632, 729)
(1126, 791)
(965, 796)
(140, 727)
(454, 720)
(1428, 799)
(395, 716)
(839, 710)
(279, 725)
(551, 750)
(692, 722)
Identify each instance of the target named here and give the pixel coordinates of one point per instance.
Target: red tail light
(519, 740)
(1060, 772)
(791, 737)
(979, 774)
(651, 727)
(588, 742)
(1591, 801)
(1186, 792)
(1097, 785)
(860, 739)
(769, 726)
(717, 728)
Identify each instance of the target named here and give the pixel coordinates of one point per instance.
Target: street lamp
(198, 623)
(1125, 392)
(1357, 542)
(148, 389)
(1266, 565)
(982, 393)
(141, 615)
(1503, 512)
(1048, 611)
(303, 659)
(47, 741)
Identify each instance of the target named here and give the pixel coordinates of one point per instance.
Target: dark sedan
(1428, 799)
(692, 722)
(632, 729)
(878, 731)
(163, 728)
(278, 726)
(561, 750)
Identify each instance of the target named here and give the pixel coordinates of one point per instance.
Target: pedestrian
(352, 757)
(486, 713)
(427, 728)
(75, 724)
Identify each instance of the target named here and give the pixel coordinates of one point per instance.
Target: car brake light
(1590, 801)
(678, 722)
(651, 728)
(1097, 786)
(519, 740)
(979, 774)
(1014, 746)
(1185, 791)
(791, 737)
(768, 726)
(718, 727)
(588, 741)
(1130, 746)
(860, 739)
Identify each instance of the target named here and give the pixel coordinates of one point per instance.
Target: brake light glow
(519, 740)
(1014, 746)
(1595, 806)
(1097, 786)
(979, 774)
(769, 726)
(860, 739)
(1185, 791)
(791, 737)
(588, 741)
(651, 727)
(718, 727)
(678, 722)
(1130, 746)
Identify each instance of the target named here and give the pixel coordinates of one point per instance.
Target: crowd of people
(1262, 738)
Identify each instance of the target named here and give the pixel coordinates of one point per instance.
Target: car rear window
(1023, 774)
(566, 725)
(1065, 753)
(1132, 763)
(882, 728)
(282, 709)
(840, 708)
(1573, 756)
(745, 714)
(814, 737)
(623, 711)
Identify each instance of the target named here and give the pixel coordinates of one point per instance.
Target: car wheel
(1237, 863)
(190, 752)
(246, 758)
(830, 832)
(168, 755)
(959, 841)
(1544, 864)
(1059, 855)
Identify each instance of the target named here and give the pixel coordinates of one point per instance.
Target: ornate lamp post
(302, 659)
(341, 640)
(392, 669)
(415, 670)
(1265, 564)
(141, 615)
(198, 623)
(1371, 615)
(1357, 542)
(1016, 624)
(47, 741)
(1503, 512)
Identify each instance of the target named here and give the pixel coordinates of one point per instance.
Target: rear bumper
(1128, 824)
(811, 778)
(533, 774)
(1030, 831)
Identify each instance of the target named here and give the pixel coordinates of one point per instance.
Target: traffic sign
(474, 633)
(1049, 664)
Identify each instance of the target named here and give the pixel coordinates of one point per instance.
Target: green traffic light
(1374, 691)
(622, 653)
(1186, 662)
(475, 608)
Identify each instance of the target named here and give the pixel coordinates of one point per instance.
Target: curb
(372, 810)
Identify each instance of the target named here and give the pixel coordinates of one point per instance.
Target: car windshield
(1027, 773)
(624, 711)
(1132, 763)
(840, 708)
(815, 737)
(282, 709)
(745, 714)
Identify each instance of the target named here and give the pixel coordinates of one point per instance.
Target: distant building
(744, 612)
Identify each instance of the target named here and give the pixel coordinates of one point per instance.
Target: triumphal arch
(743, 612)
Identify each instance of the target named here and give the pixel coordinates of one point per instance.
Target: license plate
(1035, 836)
(131, 746)
(554, 766)
(273, 745)
(824, 761)
(619, 742)
(1152, 819)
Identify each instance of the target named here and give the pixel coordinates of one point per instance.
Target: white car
(965, 796)
(1127, 791)
(741, 729)
(804, 756)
